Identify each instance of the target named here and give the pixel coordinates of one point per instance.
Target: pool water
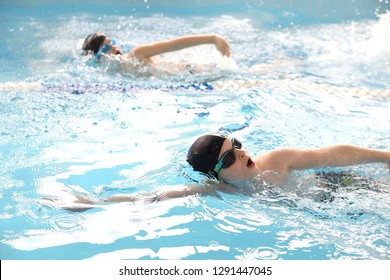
(296, 78)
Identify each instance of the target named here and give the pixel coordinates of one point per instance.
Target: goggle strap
(218, 166)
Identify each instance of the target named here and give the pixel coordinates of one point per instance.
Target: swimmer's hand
(387, 159)
(222, 46)
(66, 204)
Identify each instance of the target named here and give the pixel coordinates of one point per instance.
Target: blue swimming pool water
(300, 75)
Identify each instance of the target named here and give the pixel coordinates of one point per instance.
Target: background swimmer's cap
(204, 152)
(93, 42)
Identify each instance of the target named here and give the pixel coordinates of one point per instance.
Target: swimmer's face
(114, 50)
(242, 169)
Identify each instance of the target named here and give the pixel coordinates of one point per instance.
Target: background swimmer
(102, 45)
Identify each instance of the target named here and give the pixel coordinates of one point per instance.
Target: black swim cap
(93, 42)
(204, 152)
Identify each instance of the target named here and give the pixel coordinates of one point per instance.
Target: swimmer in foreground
(102, 45)
(221, 157)
(223, 160)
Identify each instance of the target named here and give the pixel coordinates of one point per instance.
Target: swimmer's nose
(117, 50)
(240, 153)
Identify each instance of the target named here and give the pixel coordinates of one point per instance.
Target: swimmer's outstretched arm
(80, 203)
(286, 159)
(145, 52)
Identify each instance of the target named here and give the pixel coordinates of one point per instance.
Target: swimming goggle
(104, 49)
(228, 158)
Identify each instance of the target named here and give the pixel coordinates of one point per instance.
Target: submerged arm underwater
(79, 203)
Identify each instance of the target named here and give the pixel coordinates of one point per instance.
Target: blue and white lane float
(231, 85)
(77, 88)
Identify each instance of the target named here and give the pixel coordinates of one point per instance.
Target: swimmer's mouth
(250, 163)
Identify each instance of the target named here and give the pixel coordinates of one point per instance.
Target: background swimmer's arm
(147, 51)
(333, 156)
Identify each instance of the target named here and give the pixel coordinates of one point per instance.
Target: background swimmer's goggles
(228, 158)
(104, 49)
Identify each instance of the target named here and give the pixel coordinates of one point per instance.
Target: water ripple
(260, 253)
(67, 222)
(37, 212)
(53, 218)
